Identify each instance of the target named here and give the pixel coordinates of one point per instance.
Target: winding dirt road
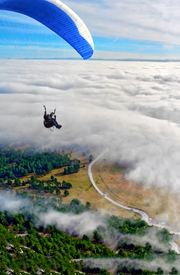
(143, 214)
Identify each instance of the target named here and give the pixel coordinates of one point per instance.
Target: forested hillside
(28, 246)
(31, 242)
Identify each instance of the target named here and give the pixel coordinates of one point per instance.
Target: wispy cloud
(154, 21)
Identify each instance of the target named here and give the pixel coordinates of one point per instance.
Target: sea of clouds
(130, 108)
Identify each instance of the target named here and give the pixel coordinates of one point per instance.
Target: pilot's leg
(56, 124)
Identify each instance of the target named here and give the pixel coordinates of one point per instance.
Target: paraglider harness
(50, 120)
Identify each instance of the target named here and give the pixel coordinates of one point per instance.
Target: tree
(90, 158)
(148, 247)
(65, 171)
(174, 271)
(66, 184)
(159, 271)
(17, 182)
(98, 238)
(122, 253)
(104, 272)
(164, 236)
(66, 193)
(88, 205)
(52, 178)
(47, 167)
(9, 182)
(58, 192)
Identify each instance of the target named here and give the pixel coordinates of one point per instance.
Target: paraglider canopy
(59, 18)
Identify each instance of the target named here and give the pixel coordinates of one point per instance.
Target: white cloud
(131, 108)
(81, 224)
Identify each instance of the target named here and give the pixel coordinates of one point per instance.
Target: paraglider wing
(59, 18)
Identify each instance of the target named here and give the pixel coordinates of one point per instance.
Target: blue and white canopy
(59, 18)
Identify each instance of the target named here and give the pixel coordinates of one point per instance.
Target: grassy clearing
(157, 202)
(110, 179)
(82, 188)
(84, 191)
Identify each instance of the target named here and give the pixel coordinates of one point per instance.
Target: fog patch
(113, 264)
(81, 224)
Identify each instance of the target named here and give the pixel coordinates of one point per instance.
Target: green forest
(15, 163)
(27, 246)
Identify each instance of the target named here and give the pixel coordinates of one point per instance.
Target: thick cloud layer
(130, 108)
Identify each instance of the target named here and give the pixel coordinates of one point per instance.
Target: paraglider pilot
(50, 120)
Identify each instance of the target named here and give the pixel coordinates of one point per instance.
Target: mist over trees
(27, 245)
(39, 234)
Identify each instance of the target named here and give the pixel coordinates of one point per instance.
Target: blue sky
(120, 29)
